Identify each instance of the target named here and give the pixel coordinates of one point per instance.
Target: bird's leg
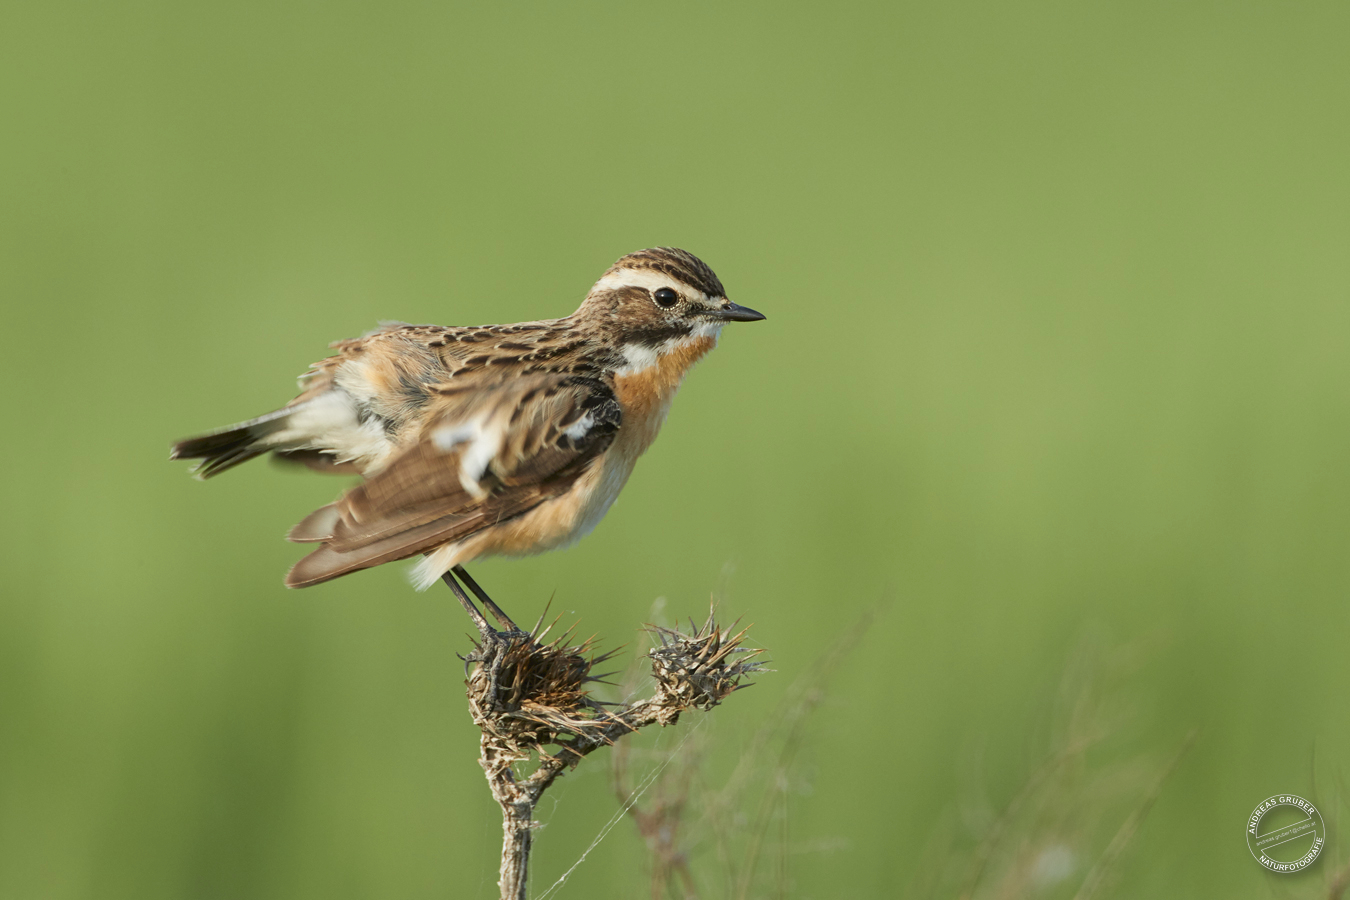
(491, 650)
(483, 598)
(479, 620)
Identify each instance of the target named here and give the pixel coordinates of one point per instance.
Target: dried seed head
(525, 694)
(699, 669)
(529, 693)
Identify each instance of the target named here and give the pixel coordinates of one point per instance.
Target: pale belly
(551, 525)
(567, 519)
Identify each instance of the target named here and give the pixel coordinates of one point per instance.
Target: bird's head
(659, 299)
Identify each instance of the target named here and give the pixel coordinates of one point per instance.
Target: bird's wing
(385, 375)
(418, 353)
(489, 451)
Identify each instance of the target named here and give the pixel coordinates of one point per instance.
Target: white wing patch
(484, 443)
(451, 436)
(577, 430)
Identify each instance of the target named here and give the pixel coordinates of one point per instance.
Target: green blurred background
(1057, 300)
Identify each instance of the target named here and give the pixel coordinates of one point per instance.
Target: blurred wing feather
(491, 449)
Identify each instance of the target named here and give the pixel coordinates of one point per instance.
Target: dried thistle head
(699, 669)
(524, 693)
(531, 693)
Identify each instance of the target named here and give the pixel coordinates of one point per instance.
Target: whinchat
(487, 440)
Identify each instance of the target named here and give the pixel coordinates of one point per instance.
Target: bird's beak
(733, 313)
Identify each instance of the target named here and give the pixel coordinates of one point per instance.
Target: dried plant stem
(991, 841)
(519, 797)
(1097, 875)
(659, 824)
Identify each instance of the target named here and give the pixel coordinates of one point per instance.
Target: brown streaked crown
(678, 264)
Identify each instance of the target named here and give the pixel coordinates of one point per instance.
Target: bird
(490, 440)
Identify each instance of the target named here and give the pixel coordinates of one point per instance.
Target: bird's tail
(228, 447)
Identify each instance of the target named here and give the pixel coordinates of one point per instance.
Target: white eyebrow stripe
(649, 279)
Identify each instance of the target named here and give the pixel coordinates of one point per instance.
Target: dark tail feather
(228, 447)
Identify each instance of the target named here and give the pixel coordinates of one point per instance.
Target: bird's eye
(666, 298)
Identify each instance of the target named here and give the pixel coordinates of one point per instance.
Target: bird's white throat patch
(640, 357)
